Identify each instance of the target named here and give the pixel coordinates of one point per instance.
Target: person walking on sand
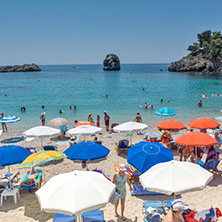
(42, 117)
(4, 127)
(98, 120)
(138, 118)
(106, 119)
(120, 179)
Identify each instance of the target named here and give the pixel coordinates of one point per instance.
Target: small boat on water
(73, 66)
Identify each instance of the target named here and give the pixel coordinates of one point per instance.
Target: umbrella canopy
(41, 131)
(130, 127)
(175, 177)
(84, 130)
(196, 139)
(40, 158)
(165, 112)
(86, 151)
(81, 123)
(171, 124)
(203, 123)
(1, 132)
(58, 122)
(144, 155)
(12, 154)
(75, 192)
(9, 119)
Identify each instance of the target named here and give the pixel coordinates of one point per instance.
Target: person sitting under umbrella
(176, 211)
(5, 180)
(31, 178)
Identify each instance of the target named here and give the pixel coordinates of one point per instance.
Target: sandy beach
(28, 208)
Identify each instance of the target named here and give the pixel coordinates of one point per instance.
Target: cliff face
(20, 68)
(111, 62)
(196, 64)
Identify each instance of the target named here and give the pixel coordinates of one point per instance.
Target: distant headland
(20, 68)
(205, 56)
(111, 62)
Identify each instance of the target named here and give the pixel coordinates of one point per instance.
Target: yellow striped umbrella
(40, 158)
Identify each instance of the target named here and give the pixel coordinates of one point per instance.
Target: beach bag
(114, 198)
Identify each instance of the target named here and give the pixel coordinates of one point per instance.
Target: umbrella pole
(44, 172)
(196, 155)
(41, 143)
(174, 196)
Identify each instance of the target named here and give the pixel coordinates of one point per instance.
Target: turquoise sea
(86, 86)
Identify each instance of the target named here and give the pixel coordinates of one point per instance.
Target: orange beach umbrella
(171, 124)
(203, 123)
(196, 139)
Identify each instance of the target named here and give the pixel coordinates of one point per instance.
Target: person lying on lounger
(31, 178)
(5, 180)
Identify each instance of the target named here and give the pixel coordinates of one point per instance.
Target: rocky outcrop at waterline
(111, 62)
(21, 68)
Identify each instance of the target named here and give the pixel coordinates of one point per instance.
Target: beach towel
(139, 190)
(13, 140)
(129, 170)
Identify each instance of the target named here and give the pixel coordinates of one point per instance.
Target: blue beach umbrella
(144, 155)
(9, 119)
(86, 151)
(165, 112)
(12, 154)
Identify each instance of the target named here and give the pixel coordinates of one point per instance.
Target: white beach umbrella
(0, 133)
(175, 177)
(84, 130)
(75, 192)
(129, 127)
(41, 131)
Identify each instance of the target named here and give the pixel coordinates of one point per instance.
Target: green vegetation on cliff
(210, 45)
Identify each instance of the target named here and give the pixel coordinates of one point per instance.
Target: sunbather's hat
(178, 205)
(43, 113)
(122, 167)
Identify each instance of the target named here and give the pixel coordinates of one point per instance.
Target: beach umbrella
(41, 132)
(84, 130)
(58, 122)
(40, 158)
(81, 123)
(165, 112)
(1, 133)
(195, 139)
(171, 124)
(144, 155)
(75, 192)
(175, 177)
(86, 150)
(12, 154)
(129, 127)
(203, 123)
(9, 119)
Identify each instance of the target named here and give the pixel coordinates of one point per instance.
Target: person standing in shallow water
(106, 119)
(42, 117)
(4, 127)
(98, 120)
(120, 179)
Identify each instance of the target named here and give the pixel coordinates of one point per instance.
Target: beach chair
(91, 216)
(139, 190)
(33, 186)
(210, 165)
(50, 147)
(154, 205)
(122, 146)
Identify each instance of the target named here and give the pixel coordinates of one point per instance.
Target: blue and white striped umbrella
(165, 112)
(9, 119)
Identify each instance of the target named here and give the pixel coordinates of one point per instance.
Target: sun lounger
(50, 147)
(122, 146)
(91, 216)
(139, 190)
(33, 186)
(157, 205)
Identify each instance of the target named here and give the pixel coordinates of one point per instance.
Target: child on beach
(98, 120)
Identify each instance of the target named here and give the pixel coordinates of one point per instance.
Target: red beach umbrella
(203, 123)
(171, 124)
(196, 139)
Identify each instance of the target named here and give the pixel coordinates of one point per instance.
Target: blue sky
(85, 31)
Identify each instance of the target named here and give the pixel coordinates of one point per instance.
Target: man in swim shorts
(106, 119)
